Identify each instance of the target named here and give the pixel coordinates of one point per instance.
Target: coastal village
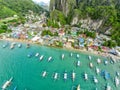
(64, 37)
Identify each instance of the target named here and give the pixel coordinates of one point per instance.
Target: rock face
(63, 5)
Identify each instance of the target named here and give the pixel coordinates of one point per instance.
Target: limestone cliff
(63, 5)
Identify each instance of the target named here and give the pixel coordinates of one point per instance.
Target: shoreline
(103, 54)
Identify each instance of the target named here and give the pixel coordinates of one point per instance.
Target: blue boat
(15, 88)
(30, 55)
(105, 74)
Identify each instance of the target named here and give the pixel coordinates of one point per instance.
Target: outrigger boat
(41, 57)
(91, 65)
(19, 45)
(98, 60)
(89, 57)
(12, 46)
(15, 88)
(65, 75)
(78, 55)
(95, 80)
(37, 54)
(117, 74)
(108, 87)
(85, 76)
(97, 70)
(78, 63)
(7, 83)
(28, 45)
(49, 59)
(5, 45)
(116, 81)
(63, 56)
(44, 74)
(78, 87)
(105, 62)
(71, 54)
(73, 76)
(55, 76)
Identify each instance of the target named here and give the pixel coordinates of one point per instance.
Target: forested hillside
(20, 7)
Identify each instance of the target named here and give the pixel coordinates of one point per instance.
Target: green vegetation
(4, 29)
(110, 43)
(55, 17)
(46, 32)
(9, 8)
(91, 34)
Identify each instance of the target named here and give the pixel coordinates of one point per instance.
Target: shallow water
(27, 72)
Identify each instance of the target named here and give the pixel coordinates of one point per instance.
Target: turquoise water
(27, 72)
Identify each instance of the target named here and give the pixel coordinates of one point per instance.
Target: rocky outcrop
(63, 5)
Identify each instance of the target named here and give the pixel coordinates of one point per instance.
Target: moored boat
(44, 74)
(19, 45)
(65, 75)
(63, 56)
(49, 59)
(97, 70)
(71, 54)
(89, 57)
(108, 87)
(91, 65)
(55, 76)
(78, 87)
(105, 62)
(41, 57)
(37, 54)
(28, 45)
(98, 60)
(15, 88)
(116, 81)
(95, 80)
(78, 63)
(78, 56)
(73, 76)
(7, 83)
(85, 76)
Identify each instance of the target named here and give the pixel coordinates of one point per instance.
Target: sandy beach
(70, 49)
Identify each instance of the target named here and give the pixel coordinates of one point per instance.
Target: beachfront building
(81, 42)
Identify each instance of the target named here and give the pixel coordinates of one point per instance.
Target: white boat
(12, 46)
(37, 54)
(97, 70)
(7, 83)
(91, 65)
(95, 80)
(108, 87)
(73, 76)
(78, 55)
(89, 57)
(85, 76)
(19, 45)
(116, 81)
(98, 61)
(41, 57)
(44, 74)
(78, 63)
(78, 87)
(65, 76)
(71, 54)
(63, 56)
(105, 62)
(56, 76)
(49, 59)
